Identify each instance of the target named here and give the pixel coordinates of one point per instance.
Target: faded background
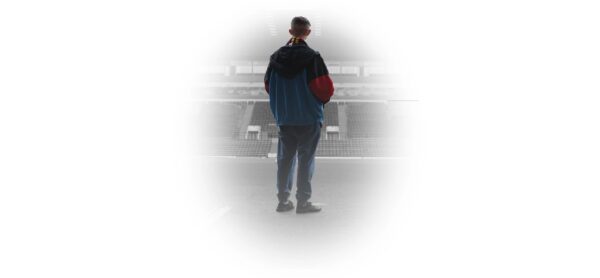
(102, 171)
(363, 158)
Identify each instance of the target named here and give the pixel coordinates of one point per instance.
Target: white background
(94, 181)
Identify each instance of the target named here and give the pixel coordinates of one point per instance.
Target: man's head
(300, 27)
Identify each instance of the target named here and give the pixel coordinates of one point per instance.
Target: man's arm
(319, 81)
(267, 76)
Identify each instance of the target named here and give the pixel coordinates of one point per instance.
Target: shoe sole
(308, 211)
(284, 209)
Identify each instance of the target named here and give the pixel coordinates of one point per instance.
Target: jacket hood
(291, 59)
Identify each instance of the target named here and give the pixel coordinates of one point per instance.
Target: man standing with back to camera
(299, 86)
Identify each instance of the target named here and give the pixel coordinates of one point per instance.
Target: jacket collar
(296, 41)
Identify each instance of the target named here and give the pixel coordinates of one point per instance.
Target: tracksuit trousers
(296, 142)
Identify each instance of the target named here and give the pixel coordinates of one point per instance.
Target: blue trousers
(296, 142)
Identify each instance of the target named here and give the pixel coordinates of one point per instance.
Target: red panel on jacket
(322, 87)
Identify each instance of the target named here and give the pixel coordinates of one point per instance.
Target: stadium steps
(245, 121)
(273, 150)
(342, 121)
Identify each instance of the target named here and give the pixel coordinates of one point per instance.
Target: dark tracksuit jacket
(298, 84)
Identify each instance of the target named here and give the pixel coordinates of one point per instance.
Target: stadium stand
(367, 120)
(220, 119)
(331, 114)
(364, 135)
(236, 147)
(364, 147)
(262, 116)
